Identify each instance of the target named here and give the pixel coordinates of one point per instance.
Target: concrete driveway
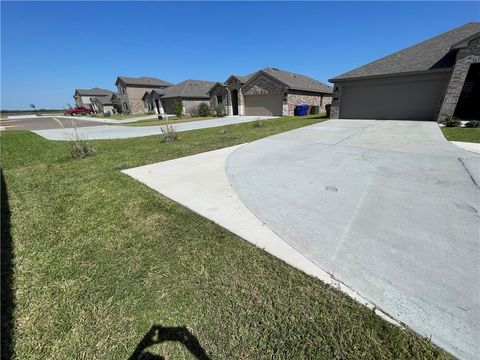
(45, 123)
(389, 208)
(104, 132)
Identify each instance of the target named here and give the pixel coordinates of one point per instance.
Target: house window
(219, 99)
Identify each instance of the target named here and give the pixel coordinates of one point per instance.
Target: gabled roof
(190, 89)
(242, 79)
(104, 100)
(143, 81)
(298, 82)
(424, 56)
(93, 92)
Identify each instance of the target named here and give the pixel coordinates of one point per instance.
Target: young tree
(178, 108)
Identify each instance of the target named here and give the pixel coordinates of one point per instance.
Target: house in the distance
(269, 91)
(190, 92)
(132, 90)
(82, 96)
(433, 80)
(106, 104)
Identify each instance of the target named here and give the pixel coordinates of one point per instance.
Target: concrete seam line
(468, 172)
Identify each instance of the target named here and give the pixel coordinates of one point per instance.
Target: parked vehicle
(78, 110)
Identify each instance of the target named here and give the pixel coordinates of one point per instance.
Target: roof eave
(405, 73)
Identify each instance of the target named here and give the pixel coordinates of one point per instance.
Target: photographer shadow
(159, 334)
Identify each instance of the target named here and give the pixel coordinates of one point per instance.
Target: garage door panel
(409, 100)
(265, 105)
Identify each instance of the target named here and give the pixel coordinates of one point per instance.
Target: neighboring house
(269, 91)
(152, 101)
(191, 92)
(423, 82)
(82, 96)
(106, 104)
(131, 91)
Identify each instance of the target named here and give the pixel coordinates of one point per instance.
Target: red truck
(78, 110)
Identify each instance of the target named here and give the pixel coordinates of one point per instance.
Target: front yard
(462, 134)
(96, 259)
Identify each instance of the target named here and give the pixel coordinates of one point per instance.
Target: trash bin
(327, 109)
(314, 110)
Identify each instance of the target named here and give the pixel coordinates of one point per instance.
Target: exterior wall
(298, 98)
(78, 101)
(86, 101)
(133, 96)
(465, 57)
(406, 97)
(232, 85)
(190, 106)
(218, 90)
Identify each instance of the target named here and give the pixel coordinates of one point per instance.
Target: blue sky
(50, 48)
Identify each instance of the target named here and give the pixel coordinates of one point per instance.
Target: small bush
(258, 123)
(192, 111)
(220, 110)
(452, 122)
(80, 147)
(178, 108)
(169, 133)
(107, 114)
(203, 110)
(473, 124)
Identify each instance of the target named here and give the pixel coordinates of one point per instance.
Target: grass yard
(462, 134)
(97, 260)
(153, 122)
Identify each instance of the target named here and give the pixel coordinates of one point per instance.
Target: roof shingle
(424, 56)
(190, 89)
(143, 81)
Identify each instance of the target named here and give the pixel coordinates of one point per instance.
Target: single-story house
(433, 80)
(131, 91)
(82, 96)
(269, 91)
(106, 104)
(190, 92)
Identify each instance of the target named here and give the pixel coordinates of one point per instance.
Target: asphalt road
(390, 208)
(44, 123)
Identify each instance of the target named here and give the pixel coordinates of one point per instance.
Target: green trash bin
(314, 110)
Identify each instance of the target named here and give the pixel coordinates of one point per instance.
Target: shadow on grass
(159, 334)
(7, 296)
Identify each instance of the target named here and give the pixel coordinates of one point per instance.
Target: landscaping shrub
(178, 108)
(80, 146)
(258, 123)
(169, 133)
(220, 110)
(452, 122)
(107, 114)
(473, 124)
(203, 110)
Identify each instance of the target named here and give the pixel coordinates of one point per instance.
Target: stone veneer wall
(294, 99)
(137, 106)
(465, 57)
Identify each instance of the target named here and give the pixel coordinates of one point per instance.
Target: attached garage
(416, 97)
(264, 104)
(426, 81)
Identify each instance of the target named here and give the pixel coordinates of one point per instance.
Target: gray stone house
(433, 80)
(131, 91)
(190, 92)
(269, 91)
(82, 96)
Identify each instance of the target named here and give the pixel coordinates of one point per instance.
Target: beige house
(433, 80)
(83, 96)
(269, 91)
(131, 92)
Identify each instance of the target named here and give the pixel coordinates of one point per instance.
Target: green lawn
(153, 122)
(100, 258)
(462, 134)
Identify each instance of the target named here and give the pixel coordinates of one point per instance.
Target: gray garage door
(268, 104)
(403, 98)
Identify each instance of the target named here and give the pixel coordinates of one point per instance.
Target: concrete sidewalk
(124, 132)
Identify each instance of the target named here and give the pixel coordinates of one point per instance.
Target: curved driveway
(390, 208)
